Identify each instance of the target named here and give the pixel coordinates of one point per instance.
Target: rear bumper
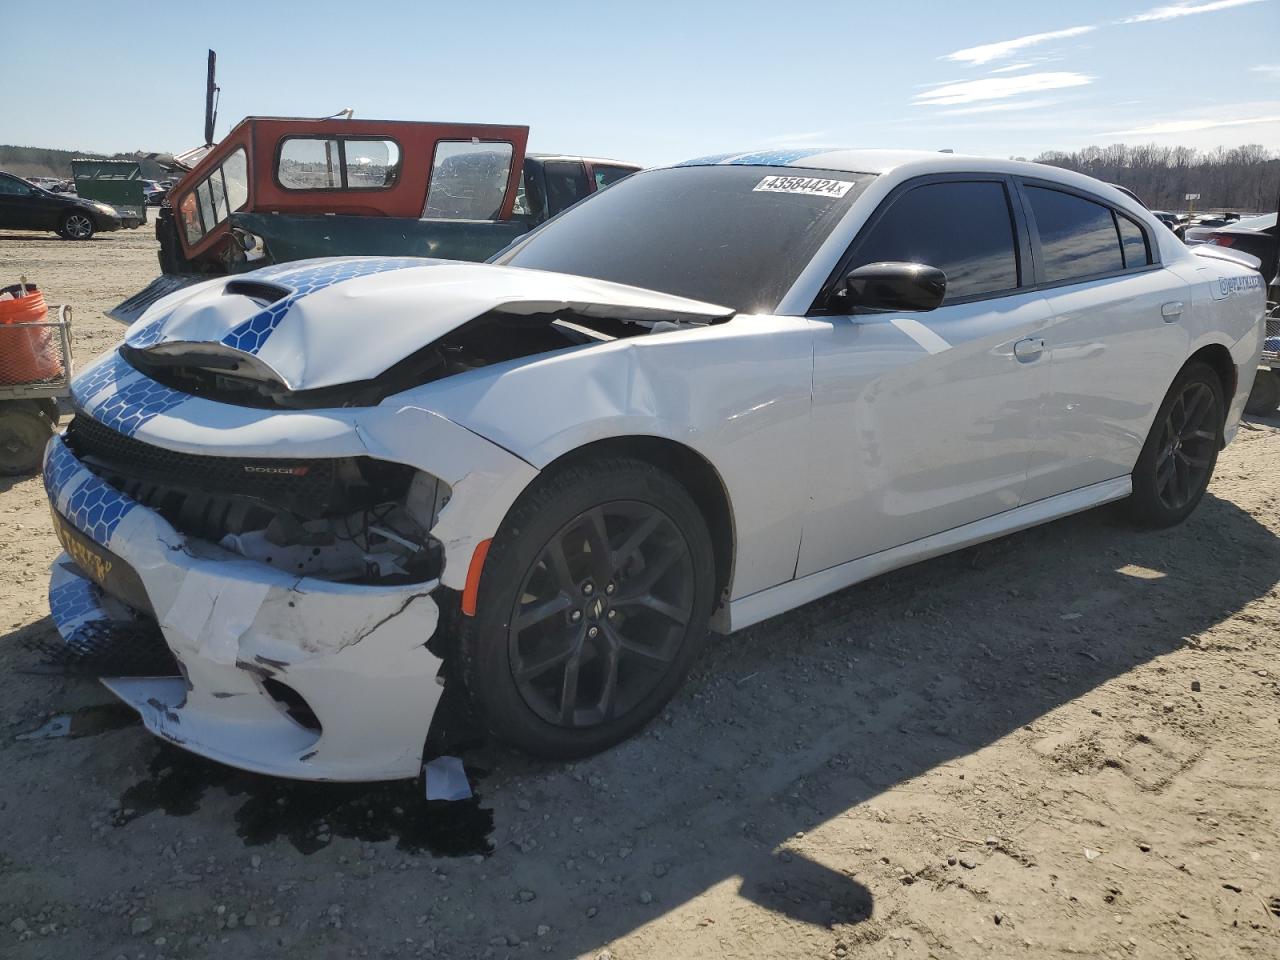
(355, 654)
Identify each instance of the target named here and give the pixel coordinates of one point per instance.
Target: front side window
(732, 235)
(235, 171)
(337, 163)
(468, 180)
(11, 187)
(964, 228)
(1078, 237)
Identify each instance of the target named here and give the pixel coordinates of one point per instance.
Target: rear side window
(1078, 238)
(337, 163)
(222, 192)
(1133, 242)
(964, 228)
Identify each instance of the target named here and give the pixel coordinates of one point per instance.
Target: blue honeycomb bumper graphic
(94, 507)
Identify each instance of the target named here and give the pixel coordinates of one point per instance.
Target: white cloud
(997, 108)
(1188, 126)
(1271, 71)
(1015, 67)
(1187, 8)
(998, 88)
(976, 56)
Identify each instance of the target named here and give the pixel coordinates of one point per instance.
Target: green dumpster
(117, 182)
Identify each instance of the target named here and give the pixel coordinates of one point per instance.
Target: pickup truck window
(337, 163)
(468, 180)
(223, 191)
(606, 174)
(566, 184)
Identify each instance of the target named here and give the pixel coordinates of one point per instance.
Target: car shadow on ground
(782, 728)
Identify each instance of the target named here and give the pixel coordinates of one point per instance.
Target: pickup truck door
(925, 421)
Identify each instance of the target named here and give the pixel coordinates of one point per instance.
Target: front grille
(301, 486)
(210, 497)
(1271, 348)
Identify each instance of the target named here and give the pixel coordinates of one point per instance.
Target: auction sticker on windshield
(814, 186)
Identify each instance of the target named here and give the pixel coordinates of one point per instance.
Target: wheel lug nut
(609, 589)
(612, 614)
(593, 631)
(588, 589)
(575, 616)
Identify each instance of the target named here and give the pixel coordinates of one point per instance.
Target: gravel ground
(1064, 742)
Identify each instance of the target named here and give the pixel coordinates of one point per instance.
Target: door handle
(1027, 350)
(1171, 311)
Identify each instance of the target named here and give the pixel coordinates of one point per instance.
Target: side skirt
(751, 609)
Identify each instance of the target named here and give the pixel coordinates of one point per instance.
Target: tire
(1178, 458)
(1265, 395)
(76, 226)
(24, 431)
(541, 612)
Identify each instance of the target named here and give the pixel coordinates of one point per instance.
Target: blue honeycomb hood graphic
(300, 279)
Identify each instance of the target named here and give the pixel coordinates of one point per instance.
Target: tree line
(48, 162)
(1242, 179)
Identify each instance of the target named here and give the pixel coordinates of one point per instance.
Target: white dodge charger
(704, 396)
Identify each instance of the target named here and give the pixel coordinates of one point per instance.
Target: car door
(924, 422)
(19, 205)
(1115, 340)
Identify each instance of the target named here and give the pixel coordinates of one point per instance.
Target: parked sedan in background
(1255, 236)
(701, 397)
(24, 206)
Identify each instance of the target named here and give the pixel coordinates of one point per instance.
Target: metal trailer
(29, 409)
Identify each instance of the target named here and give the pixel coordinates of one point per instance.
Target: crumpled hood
(321, 323)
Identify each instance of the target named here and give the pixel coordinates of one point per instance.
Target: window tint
(606, 174)
(1077, 237)
(1134, 242)
(11, 187)
(965, 229)
(566, 185)
(723, 234)
(468, 180)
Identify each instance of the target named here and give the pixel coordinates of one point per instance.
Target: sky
(657, 82)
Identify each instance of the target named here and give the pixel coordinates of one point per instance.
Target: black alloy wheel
(601, 614)
(1188, 446)
(592, 605)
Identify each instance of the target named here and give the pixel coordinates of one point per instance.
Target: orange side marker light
(472, 589)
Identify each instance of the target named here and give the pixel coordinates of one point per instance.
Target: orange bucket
(27, 354)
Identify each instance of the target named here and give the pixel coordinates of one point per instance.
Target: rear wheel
(1177, 460)
(76, 226)
(24, 431)
(593, 603)
(1265, 395)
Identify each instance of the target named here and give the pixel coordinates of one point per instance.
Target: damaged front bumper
(291, 676)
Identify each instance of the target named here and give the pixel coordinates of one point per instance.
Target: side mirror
(893, 287)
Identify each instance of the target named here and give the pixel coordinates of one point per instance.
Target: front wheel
(76, 226)
(24, 431)
(593, 603)
(1177, 460)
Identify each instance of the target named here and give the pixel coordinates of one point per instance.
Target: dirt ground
(1066, 742)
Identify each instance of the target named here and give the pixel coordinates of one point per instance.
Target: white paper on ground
(447, 780)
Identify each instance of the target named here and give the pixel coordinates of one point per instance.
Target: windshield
(732, 235)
